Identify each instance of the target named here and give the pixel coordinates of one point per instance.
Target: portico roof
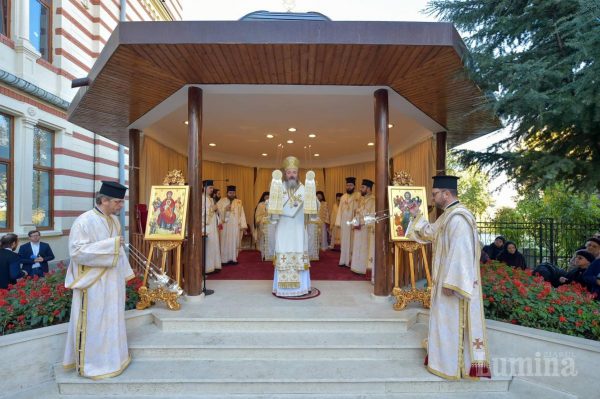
(145, 63)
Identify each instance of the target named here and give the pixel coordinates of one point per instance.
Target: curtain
(419, 162)
(156, 161)
(335, 178)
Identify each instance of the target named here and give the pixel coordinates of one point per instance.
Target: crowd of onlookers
(584, 266)
(31, 259)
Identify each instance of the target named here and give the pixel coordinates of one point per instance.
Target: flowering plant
(37, 302)
(517, 296)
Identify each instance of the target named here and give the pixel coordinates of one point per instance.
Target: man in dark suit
(35, 255)
(10, 263)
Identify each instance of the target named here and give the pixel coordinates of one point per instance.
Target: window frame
(8, 20)
(50, 171)
(9, 175)
(48, 4)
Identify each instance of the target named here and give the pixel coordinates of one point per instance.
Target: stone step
(161, 378)
(211, 324)
(151, 342)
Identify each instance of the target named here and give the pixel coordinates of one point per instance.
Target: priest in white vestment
(323, 220)
(261, 227)
(96, 339)
(363, 244)
(210, 230)
(334, 230)
(348, 205)
(457, 341)
(233, 219)
(291, 206)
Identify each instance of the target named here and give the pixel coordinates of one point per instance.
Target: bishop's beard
(291, 184)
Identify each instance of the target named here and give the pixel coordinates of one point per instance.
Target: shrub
(516, 296)
(40, 302)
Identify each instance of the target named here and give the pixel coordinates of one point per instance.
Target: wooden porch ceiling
(146, 62)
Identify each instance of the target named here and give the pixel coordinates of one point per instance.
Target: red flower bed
(516, 296)
(40, 302)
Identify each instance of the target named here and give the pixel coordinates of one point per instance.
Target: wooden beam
(134, 180)
(193, 265)
(383, 268)
(440, 158)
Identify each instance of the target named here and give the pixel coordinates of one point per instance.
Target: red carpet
(250, 267)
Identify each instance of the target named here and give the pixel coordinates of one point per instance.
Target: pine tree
(540, 59)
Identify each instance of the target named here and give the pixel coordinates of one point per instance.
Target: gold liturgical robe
(96, 339)
(457, 341)
(234, 222)
(348, 205)
(213, 250)
(334, 230)
(363, 243)
(324, 221)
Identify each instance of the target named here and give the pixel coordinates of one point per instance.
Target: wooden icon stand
(403, 297)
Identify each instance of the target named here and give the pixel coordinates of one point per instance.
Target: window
(40, 28)
(43, 177)
(4, 15)
(6, 134)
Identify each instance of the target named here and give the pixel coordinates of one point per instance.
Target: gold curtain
(419, 162)
(335, 178)
(156, 161)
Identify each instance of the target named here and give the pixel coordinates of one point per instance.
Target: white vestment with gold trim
(333, 229)
(363, 243)
(213, 250)
(348, 205)
(98, 269)
(234, 222)
(457, 341)
(292, 275)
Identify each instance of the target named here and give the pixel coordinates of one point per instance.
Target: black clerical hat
(445, 182)
(351, 180)
(337, 195)
(113, 189)
(207, 183)
(230, 188)
(368, 183)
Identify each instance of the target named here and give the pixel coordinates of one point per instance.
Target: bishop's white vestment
(292, 275)
(211, 229)
(457, 341)
(347, 207)
(234, 222)
(96, 339)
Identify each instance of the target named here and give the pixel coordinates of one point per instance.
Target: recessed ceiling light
(370, 144)
(212, 144)
(316, 155)
(290, 141)
(390, 125)
(312, 135)
(186, 122)
(270, 136)
(292, 129)
(264, 154)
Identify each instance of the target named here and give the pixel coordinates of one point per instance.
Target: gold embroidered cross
(478, 344)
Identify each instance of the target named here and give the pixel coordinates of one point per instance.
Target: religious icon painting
(400, 199)
(167, 213)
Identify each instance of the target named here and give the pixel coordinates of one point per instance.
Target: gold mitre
(291, 163)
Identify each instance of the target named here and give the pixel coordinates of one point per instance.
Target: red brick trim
(72, 58)
(54, 69)
(105, 8)
(8, 41)
(85, 12)
(20, 97)
(85, 157)
(76, 193)
(83, 29)
(77, 43)
(82, 175)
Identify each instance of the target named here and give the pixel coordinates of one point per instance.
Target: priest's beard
(350, 190)
(291, 184)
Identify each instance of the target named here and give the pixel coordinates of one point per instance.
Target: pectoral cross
(478, 344)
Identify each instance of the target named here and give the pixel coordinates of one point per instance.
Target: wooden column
(193, 265)
(134, 180)
(440, 158)
(383, 268)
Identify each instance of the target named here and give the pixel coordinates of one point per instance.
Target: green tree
(540, 60)
(472, 186)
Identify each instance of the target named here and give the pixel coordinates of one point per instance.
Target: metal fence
(543, 240)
